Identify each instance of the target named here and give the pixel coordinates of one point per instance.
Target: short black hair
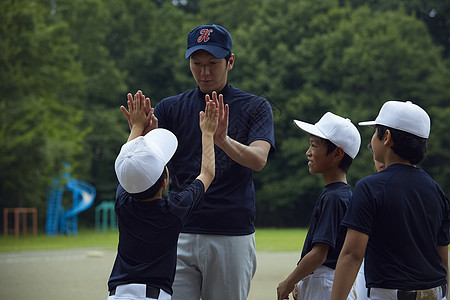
(346, 161)
(406, 145)
(227, 58)
(151, 191)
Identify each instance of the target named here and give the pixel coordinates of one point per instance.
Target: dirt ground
(83, 274)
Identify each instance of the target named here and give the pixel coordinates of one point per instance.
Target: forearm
(349, 262)
(136, 131)
(253, 157)
(207, 171)
(307, 265)
(345, 274)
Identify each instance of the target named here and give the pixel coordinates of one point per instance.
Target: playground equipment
(60, 219)
(105, 217)
(20, 212)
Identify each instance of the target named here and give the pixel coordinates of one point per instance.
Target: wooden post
(18, 211)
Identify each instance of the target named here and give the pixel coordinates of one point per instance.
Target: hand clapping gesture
(209, 118)
(140, 105)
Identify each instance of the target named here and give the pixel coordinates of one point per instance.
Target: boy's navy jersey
(325, 226)
(229, 205)
(147, 250)
(406, 216)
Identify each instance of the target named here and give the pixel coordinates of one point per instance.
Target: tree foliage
(66, 67)
(38, 130)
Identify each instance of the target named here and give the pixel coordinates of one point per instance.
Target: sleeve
(161, 114)
(443, 238)
(261, 125)
(184, 203)
(362, 209)
(121, 195)
(332, 212)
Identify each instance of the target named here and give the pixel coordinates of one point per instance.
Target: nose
(308, 152)
(205, 70)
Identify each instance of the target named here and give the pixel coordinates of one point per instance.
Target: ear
(338, 153)
(164, 183)
(231, 62)
(387, 139)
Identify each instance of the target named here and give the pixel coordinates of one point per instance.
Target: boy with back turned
(149, 225)
(398, 218)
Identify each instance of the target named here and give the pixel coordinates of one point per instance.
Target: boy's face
(319, 161)
(379, 166)
(377, 148)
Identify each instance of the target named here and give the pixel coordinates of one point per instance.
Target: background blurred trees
(66, 67)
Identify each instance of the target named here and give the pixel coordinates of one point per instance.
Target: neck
(158, 195)
(336, 175)
(220, 91)
(392, 158)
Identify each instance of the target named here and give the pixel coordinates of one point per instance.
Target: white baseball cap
(141, 161)
(338, 130)
(404, 116)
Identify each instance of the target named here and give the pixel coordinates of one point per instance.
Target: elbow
(351, 256)
(259, 165)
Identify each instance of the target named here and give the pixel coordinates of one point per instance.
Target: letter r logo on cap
(204, 35)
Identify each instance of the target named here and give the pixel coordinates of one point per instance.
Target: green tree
(38, 130)
(434, 13)
(148, 42)
(339, 59)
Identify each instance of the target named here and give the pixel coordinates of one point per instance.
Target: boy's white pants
(360, 284)
(318, 285)
(135, 291)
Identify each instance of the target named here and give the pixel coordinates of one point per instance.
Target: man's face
(209, 72)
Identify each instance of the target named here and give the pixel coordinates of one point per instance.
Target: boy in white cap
(334, 143)
(398, 218)
(360, 282)
(148, 224)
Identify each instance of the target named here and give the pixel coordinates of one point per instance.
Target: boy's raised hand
(137, 111)
(209, 120)
(210, 117)
(153, 123)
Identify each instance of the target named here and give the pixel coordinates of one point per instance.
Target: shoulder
(122, 196)
(120, 192)
(238, 94)
(193, 191)
(337, 188)
(176, 99)
(338, 191)
(256, 107)
(379, 178)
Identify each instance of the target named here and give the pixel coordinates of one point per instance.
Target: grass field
(267, 240)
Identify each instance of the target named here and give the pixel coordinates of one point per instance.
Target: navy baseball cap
(212, 38)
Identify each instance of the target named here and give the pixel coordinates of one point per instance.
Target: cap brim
(164, 140)
(216, 51)
(310, 128)
(367, 123)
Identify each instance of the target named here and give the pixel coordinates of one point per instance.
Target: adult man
(216, 250)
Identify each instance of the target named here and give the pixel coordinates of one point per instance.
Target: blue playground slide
(65, 220)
